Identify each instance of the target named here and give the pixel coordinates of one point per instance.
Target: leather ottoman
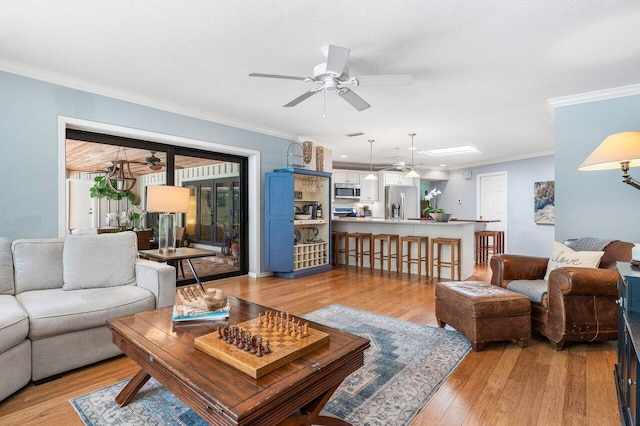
(483, 312)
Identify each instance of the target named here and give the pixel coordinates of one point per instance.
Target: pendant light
(412, 173)
(120, 178)
(371, 176)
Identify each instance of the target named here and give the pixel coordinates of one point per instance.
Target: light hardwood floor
(502, 385)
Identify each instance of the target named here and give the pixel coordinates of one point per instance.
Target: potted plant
(436, 214)
(102, 189)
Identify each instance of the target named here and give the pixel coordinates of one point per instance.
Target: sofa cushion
(535, 290)
(562, 256)
(14, 323)
(6, 267)
(96, 261)
(56, 311)
(37, 263)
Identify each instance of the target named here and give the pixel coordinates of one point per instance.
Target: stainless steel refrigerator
(401, 202)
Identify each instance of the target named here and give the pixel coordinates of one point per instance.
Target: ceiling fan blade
(337, 59)
(285, 77)
(356, 101)
(383, 80)
(302, 97)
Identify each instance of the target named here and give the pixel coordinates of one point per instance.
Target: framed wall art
(544, 202)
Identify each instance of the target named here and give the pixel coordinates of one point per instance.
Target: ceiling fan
(333, 75)
(399, 165)
(154, 162)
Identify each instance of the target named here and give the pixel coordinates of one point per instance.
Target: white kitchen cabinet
(345, 177)
(368, 189)
(395, 178)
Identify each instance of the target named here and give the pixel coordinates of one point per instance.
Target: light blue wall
(595, 203)
(523, 235)
(29, 111)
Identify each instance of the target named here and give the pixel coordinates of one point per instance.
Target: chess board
(284, 348)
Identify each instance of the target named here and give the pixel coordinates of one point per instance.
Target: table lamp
(167, 200)
(620, 150)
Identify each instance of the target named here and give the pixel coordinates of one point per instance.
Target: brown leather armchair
(580, 304)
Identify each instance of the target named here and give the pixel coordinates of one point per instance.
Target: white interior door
(81, 208)
(492, 200)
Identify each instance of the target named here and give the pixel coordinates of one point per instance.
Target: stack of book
(191, 313)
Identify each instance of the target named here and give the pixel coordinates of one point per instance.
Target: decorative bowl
(301, 216)
(440, 217)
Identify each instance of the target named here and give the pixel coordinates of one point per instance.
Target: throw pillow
(95, 261)
(562, 256)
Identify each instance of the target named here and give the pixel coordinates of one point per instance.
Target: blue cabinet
(297, 245)
(626, 370)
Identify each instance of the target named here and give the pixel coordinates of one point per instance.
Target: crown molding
(78, 84)
(598, 95)
(505, 160)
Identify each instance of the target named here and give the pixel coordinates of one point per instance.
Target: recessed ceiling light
(450, 151)
(443, 165)
(344, 156)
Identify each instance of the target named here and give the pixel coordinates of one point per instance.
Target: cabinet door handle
(631, 382)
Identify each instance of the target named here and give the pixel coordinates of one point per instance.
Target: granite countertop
(398, 221)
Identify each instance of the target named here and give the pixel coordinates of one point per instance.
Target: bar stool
(409, 239)
(488, 243)
(336, 237)
(359, 252)
(437, 262)
(389, 254)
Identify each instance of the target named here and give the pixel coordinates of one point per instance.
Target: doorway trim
(253, 178)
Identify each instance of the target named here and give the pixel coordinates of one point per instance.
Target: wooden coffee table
(290, 395)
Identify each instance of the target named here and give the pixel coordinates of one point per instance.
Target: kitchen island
(465, 230)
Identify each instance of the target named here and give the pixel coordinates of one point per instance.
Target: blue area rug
(404, 366)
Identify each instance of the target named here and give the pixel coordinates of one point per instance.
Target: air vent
(355, 134)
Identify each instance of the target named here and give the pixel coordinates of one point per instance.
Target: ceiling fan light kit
(334, 73)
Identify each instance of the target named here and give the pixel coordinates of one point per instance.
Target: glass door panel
(191, 222)
(224, 221)
(206, 213)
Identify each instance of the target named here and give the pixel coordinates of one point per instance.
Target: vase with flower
(436, 213)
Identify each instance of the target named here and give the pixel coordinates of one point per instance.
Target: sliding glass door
(216, 218)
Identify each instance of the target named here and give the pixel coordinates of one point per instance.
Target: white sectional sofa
(56, 295)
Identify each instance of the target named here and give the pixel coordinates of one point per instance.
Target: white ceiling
(484, 70)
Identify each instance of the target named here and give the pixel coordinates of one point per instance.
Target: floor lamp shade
(620, 150)
(614, 149)
(167, 200)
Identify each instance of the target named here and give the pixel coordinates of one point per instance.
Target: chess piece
(305, 333)
(267, 349)
(219, 332)
(247, 344)
(259, 348)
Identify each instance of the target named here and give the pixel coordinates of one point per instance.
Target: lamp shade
(167, 199)
(614, 149)
(371, 176)
(412, 174)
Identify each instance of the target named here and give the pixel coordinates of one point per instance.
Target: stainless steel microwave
(346, 190)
